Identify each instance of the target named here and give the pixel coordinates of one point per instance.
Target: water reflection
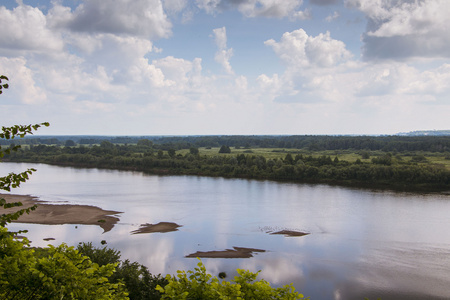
(362, 243)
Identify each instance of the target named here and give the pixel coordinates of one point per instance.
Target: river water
(362, 243)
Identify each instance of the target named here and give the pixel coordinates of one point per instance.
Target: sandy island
(161, 227)
(237, 252)
(290, 233)
(56, 214)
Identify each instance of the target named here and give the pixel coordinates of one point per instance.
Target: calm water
(362, 243)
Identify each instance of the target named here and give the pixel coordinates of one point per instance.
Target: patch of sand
(237, 252)
(290, 233)
(160, 227)
(61, 213)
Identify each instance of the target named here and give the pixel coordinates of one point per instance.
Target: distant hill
(426, 133)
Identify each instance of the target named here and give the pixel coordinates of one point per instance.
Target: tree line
(392, 143)
(386, 170)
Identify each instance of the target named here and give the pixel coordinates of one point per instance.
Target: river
(361, 243)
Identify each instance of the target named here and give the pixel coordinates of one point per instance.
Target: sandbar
(236, 252)
(57, 214)
(290, 233)
(161, 227)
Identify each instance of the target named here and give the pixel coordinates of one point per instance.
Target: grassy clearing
(342, 155)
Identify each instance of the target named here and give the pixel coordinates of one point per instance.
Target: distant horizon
(447, 131)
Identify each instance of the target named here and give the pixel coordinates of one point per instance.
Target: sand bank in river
(290, 233)
(236, 252)
(55, 214)
(160, 227)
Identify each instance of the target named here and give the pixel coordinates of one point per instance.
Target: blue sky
(178, 67)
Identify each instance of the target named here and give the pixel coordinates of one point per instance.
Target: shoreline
(377, 185)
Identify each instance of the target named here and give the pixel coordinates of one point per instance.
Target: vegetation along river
(361, 243)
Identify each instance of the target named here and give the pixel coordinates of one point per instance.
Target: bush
(52, 273)
(139, 282)
(200, 285)
(224, 149)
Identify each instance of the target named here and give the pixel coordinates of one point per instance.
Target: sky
(226, 67)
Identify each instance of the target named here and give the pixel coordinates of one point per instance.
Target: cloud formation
(223, 55)
(405, 29)
(25, 29)
(323, 2)
(131, 17)
(143, 64)
(299, 50)
(257, 8)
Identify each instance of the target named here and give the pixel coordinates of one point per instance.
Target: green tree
(365, 155)
(171, 153)
(70, 143)
(61, 273)
(198, 284)
(139, 282)
(107, 145)
(288, 159)
(193, 151)
(145, 143)
(224, 149)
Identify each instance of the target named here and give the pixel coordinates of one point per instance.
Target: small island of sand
(55, 214)
(161, 227)
(290, 233)
(237, 252)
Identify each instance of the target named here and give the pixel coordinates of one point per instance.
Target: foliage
(3, 85)
(139, 282)
(101, 256)
(224, 149)
(62, 273)
(198, 284)
(193, 151)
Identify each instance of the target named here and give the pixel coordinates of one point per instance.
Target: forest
(395, 162)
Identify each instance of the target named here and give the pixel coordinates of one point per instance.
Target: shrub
(200, 285)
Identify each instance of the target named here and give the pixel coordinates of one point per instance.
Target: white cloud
(332, 17)
(210, 6)
(174, 69)
(24, 88)
(223, 55)
(130, 17)
(383, 79)
(174, 6)
(220, 35)
(269, 8)
(25, 28)
(324, 2)
(435, 81)
(257, 8)
(297, 49)
(405, 29)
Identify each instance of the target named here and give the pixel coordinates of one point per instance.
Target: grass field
(434, 158)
